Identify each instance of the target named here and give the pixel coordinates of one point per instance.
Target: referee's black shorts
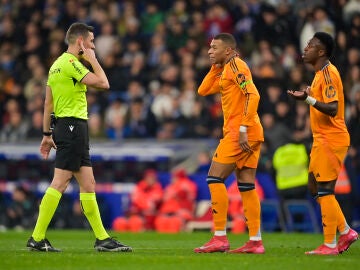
(71, 136)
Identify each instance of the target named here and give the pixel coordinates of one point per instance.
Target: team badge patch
(330, 91)
(241, 79)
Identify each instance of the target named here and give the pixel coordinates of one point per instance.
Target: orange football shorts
(326, 161)
(229, 152)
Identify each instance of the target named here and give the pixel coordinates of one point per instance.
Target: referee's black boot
(110, 244)
(42, 245)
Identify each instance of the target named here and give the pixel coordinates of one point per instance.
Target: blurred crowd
(155, 56)
(19, 210)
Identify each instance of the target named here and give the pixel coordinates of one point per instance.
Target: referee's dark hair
(77, 29)
(327, 41)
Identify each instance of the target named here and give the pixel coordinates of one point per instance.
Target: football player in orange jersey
(239, 150)
(330, 142)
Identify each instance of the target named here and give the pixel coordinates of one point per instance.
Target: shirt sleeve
(210, 84)
(77, 70)
(330, 91)
(250, 110)
(243, 80)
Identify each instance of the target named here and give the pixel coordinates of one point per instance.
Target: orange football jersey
(327, 87)
(239, 97)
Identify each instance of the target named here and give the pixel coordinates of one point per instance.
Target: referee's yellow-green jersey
(69, 94)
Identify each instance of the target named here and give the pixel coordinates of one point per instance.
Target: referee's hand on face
(46, 144)
(88, 54)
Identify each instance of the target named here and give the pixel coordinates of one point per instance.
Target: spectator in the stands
(301, 131)
(15, 129)
(35, 130)
(217, 20)
(114, 119)
(105, 41)
(276, 133)
(151, 18)
(140, 122)
(21, 212)
(199, 122)
(178, 204)
(145, 201)
(96, 127)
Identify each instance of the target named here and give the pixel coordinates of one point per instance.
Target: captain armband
(243, 128)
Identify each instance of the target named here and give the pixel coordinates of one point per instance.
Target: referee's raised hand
(87, 54)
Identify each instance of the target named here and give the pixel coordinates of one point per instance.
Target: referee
(66, 88)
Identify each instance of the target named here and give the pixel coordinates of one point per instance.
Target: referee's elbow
(106, 86)
(103, 85)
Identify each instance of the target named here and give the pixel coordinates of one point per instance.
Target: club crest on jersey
(330, 91)
(241, 80)
(71, 127)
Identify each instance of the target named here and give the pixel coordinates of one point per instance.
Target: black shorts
(71, 137)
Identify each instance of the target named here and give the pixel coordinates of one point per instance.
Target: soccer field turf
(170, 251)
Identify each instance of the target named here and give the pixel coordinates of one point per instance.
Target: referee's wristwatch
(47, 133)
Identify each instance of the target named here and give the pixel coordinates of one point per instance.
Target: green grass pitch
(170, 251)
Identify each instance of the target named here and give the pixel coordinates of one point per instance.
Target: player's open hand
(46, 144)
(300, 95)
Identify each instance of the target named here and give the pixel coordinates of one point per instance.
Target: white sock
(347, 229)
(220, 233)
(330, 245)
(256, 237)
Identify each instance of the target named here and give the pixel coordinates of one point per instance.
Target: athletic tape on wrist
(310, 100)
(243, 129)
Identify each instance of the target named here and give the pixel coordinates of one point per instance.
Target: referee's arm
(96, 79)
(47, 141)
(48, 109)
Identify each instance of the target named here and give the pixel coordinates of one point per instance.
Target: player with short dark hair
(239, 150)
(66, 90)
(331, 141)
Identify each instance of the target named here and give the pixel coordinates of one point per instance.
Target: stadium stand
(147, 61)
